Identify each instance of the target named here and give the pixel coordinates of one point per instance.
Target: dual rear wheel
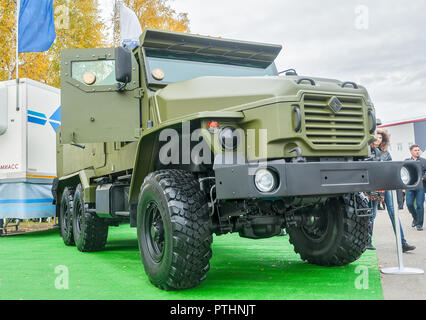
(79, 227)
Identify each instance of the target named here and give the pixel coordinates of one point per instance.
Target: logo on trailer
(41, 118)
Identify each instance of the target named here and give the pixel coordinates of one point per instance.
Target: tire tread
(192, 237)
(353, 241)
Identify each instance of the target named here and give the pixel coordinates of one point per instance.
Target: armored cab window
(173, 57)
(99, 73)
(185, 67)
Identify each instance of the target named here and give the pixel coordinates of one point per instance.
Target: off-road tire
(65, 216)
(90, 231)
(180, 257)
(346, 239)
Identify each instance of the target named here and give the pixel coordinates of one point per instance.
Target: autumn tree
(7, 39)
(156, 14)
(78, 25)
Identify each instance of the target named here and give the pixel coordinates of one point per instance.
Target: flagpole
(117, 5)
(18, 7)
(114, 22)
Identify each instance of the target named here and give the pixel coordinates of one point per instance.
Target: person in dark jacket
(379, 151)
(417, 195)
(400, 198)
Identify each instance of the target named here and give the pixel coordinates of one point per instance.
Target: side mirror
(123, 65)
(379, 122)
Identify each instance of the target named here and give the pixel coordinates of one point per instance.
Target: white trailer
(28, 148)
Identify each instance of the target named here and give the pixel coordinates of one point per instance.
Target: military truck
(187, 136)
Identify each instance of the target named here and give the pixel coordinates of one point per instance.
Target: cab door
(93, 107)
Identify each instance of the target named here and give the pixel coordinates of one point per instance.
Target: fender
(144, 163)
(148, 147)
(74, 179)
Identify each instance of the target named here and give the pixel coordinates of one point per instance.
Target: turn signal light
(213, 126)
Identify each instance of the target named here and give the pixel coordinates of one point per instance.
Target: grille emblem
(335, 104)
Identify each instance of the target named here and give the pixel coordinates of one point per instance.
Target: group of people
(414, 198)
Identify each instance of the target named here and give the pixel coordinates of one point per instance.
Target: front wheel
(173, 230)
(333, 234)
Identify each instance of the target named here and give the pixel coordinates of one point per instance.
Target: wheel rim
(78, 216)
(65, 216)
(316, 226)
(154, 232)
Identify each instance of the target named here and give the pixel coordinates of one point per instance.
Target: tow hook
(299, 157)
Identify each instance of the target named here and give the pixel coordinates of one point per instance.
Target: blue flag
(36, 25)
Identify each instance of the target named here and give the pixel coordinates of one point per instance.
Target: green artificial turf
(240, 269)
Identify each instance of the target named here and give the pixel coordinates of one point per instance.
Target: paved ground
(400, 287)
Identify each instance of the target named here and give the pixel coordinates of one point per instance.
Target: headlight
(265, 180)
(405, 175)
(229, 138)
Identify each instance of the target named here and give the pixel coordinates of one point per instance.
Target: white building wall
(401, 136)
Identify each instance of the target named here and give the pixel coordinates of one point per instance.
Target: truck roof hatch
(259, 54)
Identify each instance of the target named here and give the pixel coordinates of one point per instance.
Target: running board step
(122, 213)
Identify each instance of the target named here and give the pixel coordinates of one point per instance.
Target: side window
(99, 73)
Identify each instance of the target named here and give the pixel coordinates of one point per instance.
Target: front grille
(325, 127)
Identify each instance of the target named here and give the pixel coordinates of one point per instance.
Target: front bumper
(314, 178)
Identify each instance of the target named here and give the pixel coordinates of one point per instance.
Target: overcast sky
(380, 44)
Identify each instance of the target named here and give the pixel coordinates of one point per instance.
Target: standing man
(400, 198)
(417, 195)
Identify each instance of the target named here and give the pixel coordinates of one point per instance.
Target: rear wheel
(173, 230)
(332, 234)
(90, 231)
(65, 216)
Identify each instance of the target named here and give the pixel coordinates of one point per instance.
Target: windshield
(179, 70)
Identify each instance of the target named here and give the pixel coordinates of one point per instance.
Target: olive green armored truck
(188, 136)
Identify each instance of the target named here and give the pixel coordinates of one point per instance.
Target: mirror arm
(120, 86)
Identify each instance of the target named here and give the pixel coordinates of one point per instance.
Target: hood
(239, 93)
